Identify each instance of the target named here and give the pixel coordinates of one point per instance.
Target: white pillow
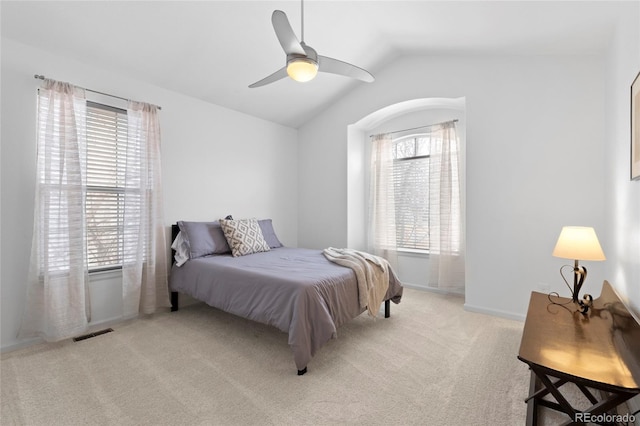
(182, 249)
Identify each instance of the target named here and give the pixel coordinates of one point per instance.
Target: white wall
(622, 199)
(215, 162)
(534, 141)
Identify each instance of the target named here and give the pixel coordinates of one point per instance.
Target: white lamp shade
(578, 243)
(302, 70)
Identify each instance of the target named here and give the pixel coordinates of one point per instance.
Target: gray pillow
(266, 226)
(204, 238)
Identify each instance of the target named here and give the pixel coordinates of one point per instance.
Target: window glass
(411, 192)
(106, 150)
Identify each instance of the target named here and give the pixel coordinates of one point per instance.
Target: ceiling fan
(303, 62)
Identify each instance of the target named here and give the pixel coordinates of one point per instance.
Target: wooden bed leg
(301, 372)
(387, 308)
(174, 301)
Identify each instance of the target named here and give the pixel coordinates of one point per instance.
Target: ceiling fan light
(302, 69)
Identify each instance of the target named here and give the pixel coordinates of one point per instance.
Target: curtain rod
(420, 127)
(42, 77)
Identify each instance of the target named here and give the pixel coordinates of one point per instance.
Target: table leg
(540, 384)
(564, 404)
(532, 401)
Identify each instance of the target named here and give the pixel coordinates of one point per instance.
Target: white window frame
(402, 241)
(100, 164)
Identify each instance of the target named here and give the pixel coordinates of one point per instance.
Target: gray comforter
(296, 290)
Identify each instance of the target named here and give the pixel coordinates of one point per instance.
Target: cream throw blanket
(372, 273)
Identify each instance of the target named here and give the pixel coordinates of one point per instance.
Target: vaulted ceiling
(213, 50)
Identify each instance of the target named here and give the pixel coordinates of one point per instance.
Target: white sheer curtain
(57, 304)
(382, 209)
(446, 251)
(145, 249)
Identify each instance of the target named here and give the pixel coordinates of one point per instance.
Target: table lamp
(578, 243)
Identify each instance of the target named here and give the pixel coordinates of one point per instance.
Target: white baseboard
(468, 307)
(494, 312)
(21, 345)
(432, 289)
(93, 327)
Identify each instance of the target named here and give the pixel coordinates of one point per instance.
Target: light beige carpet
(431, 363)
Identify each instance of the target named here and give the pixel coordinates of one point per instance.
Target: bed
(296, 290)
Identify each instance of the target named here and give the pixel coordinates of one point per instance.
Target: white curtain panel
(57, 304)
(446, 251)
(144, 267)
(382, 209)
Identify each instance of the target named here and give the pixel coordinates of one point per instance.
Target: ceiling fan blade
(334, 66)
(281, 73)
(285, 34)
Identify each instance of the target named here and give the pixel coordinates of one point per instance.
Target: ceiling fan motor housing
(311, 55)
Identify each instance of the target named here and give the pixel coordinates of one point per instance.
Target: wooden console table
(599, 351)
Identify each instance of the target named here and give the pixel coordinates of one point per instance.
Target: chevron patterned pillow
(244, 236)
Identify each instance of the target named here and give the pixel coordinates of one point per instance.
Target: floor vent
(94, 334)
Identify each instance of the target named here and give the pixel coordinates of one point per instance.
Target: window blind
(105, 177)
(412, 160)
(411, 192)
